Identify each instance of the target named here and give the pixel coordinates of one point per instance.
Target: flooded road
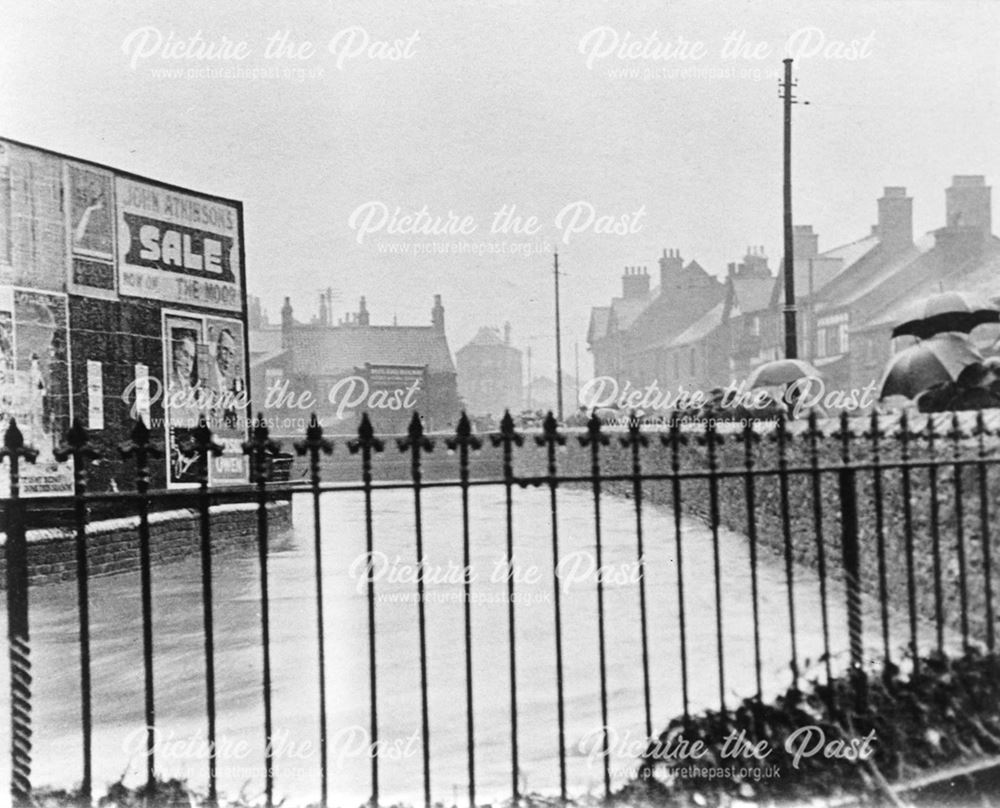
(119, 739)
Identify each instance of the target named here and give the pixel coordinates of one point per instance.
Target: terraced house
(848, 299)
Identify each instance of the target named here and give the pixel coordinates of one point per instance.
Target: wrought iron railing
(843, 497)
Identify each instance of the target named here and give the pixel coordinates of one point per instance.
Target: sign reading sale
(177, 247)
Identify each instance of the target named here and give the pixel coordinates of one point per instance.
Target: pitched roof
(853, 251)
(699, 329)
(598, 328)
(265, 340)
(325, 350)
(860, 279)
(625, 310)
(936, 270)
(486, 336)
(750, 294)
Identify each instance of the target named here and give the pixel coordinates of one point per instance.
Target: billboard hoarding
(176, 247)
(205, 378)
(35, 384)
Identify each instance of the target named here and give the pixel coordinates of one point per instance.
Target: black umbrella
(937, 360)
(947, 311)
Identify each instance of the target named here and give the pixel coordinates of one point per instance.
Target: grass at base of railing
(948, 713)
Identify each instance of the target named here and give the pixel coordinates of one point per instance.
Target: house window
(755, 326)
(842, 338)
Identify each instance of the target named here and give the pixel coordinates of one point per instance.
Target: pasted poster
(90, 229)
(205, 377)
(227, 398)
(177, 247)
(90, 213)
(35, 384)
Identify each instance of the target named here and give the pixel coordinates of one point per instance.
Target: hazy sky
(523, 104)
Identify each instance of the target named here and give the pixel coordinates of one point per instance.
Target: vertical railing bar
(750, 439)
(415, 442)
(261, 449)
(711, 439)
(904, 442)
(507, 438)
(637, 440)
(786, 532)
(874, 434)
(367, 443)
(675, 439)
(850, 552)
(463, 441)
(204, 448)
(935, 514)
(984, 528)
(79, 448)
(956, 434)
(814, 434)
(139, 447)
(550, 438)
(595, 439)
(313, 445)
(18, 635)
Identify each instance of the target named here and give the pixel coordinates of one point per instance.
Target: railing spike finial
(14, 445)
(634, 436)
(77, 445)
(956, 432)
(874, 432)
(845, 434)
(260, 449)
(463, 436)
(550, 432)
(314, 441)
(415, 437)
(593, 435)
(508, 432)
(140, 446)
(366, 439)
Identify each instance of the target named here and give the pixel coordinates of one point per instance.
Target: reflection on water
(119, 739)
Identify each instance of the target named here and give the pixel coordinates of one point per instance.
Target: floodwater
(119, 736)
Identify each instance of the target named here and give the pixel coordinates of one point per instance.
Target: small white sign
(95, 395)
(142, 392)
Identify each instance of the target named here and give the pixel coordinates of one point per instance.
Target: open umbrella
(781, 371)
(946, 311)
(933, 361)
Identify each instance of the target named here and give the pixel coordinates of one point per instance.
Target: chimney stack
(895, 219)
(635, 282)
(437, 315)
(324, 312)
(968, 204)
(287, 321)
(363, 312)
(806, 242)
(755, 262)
(506, 333)
(671, 265)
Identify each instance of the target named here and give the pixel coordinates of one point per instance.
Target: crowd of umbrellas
(943, 370)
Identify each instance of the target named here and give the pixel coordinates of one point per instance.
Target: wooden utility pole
(791, 333)
(559, 390)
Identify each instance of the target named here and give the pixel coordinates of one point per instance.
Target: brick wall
(114, 543)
